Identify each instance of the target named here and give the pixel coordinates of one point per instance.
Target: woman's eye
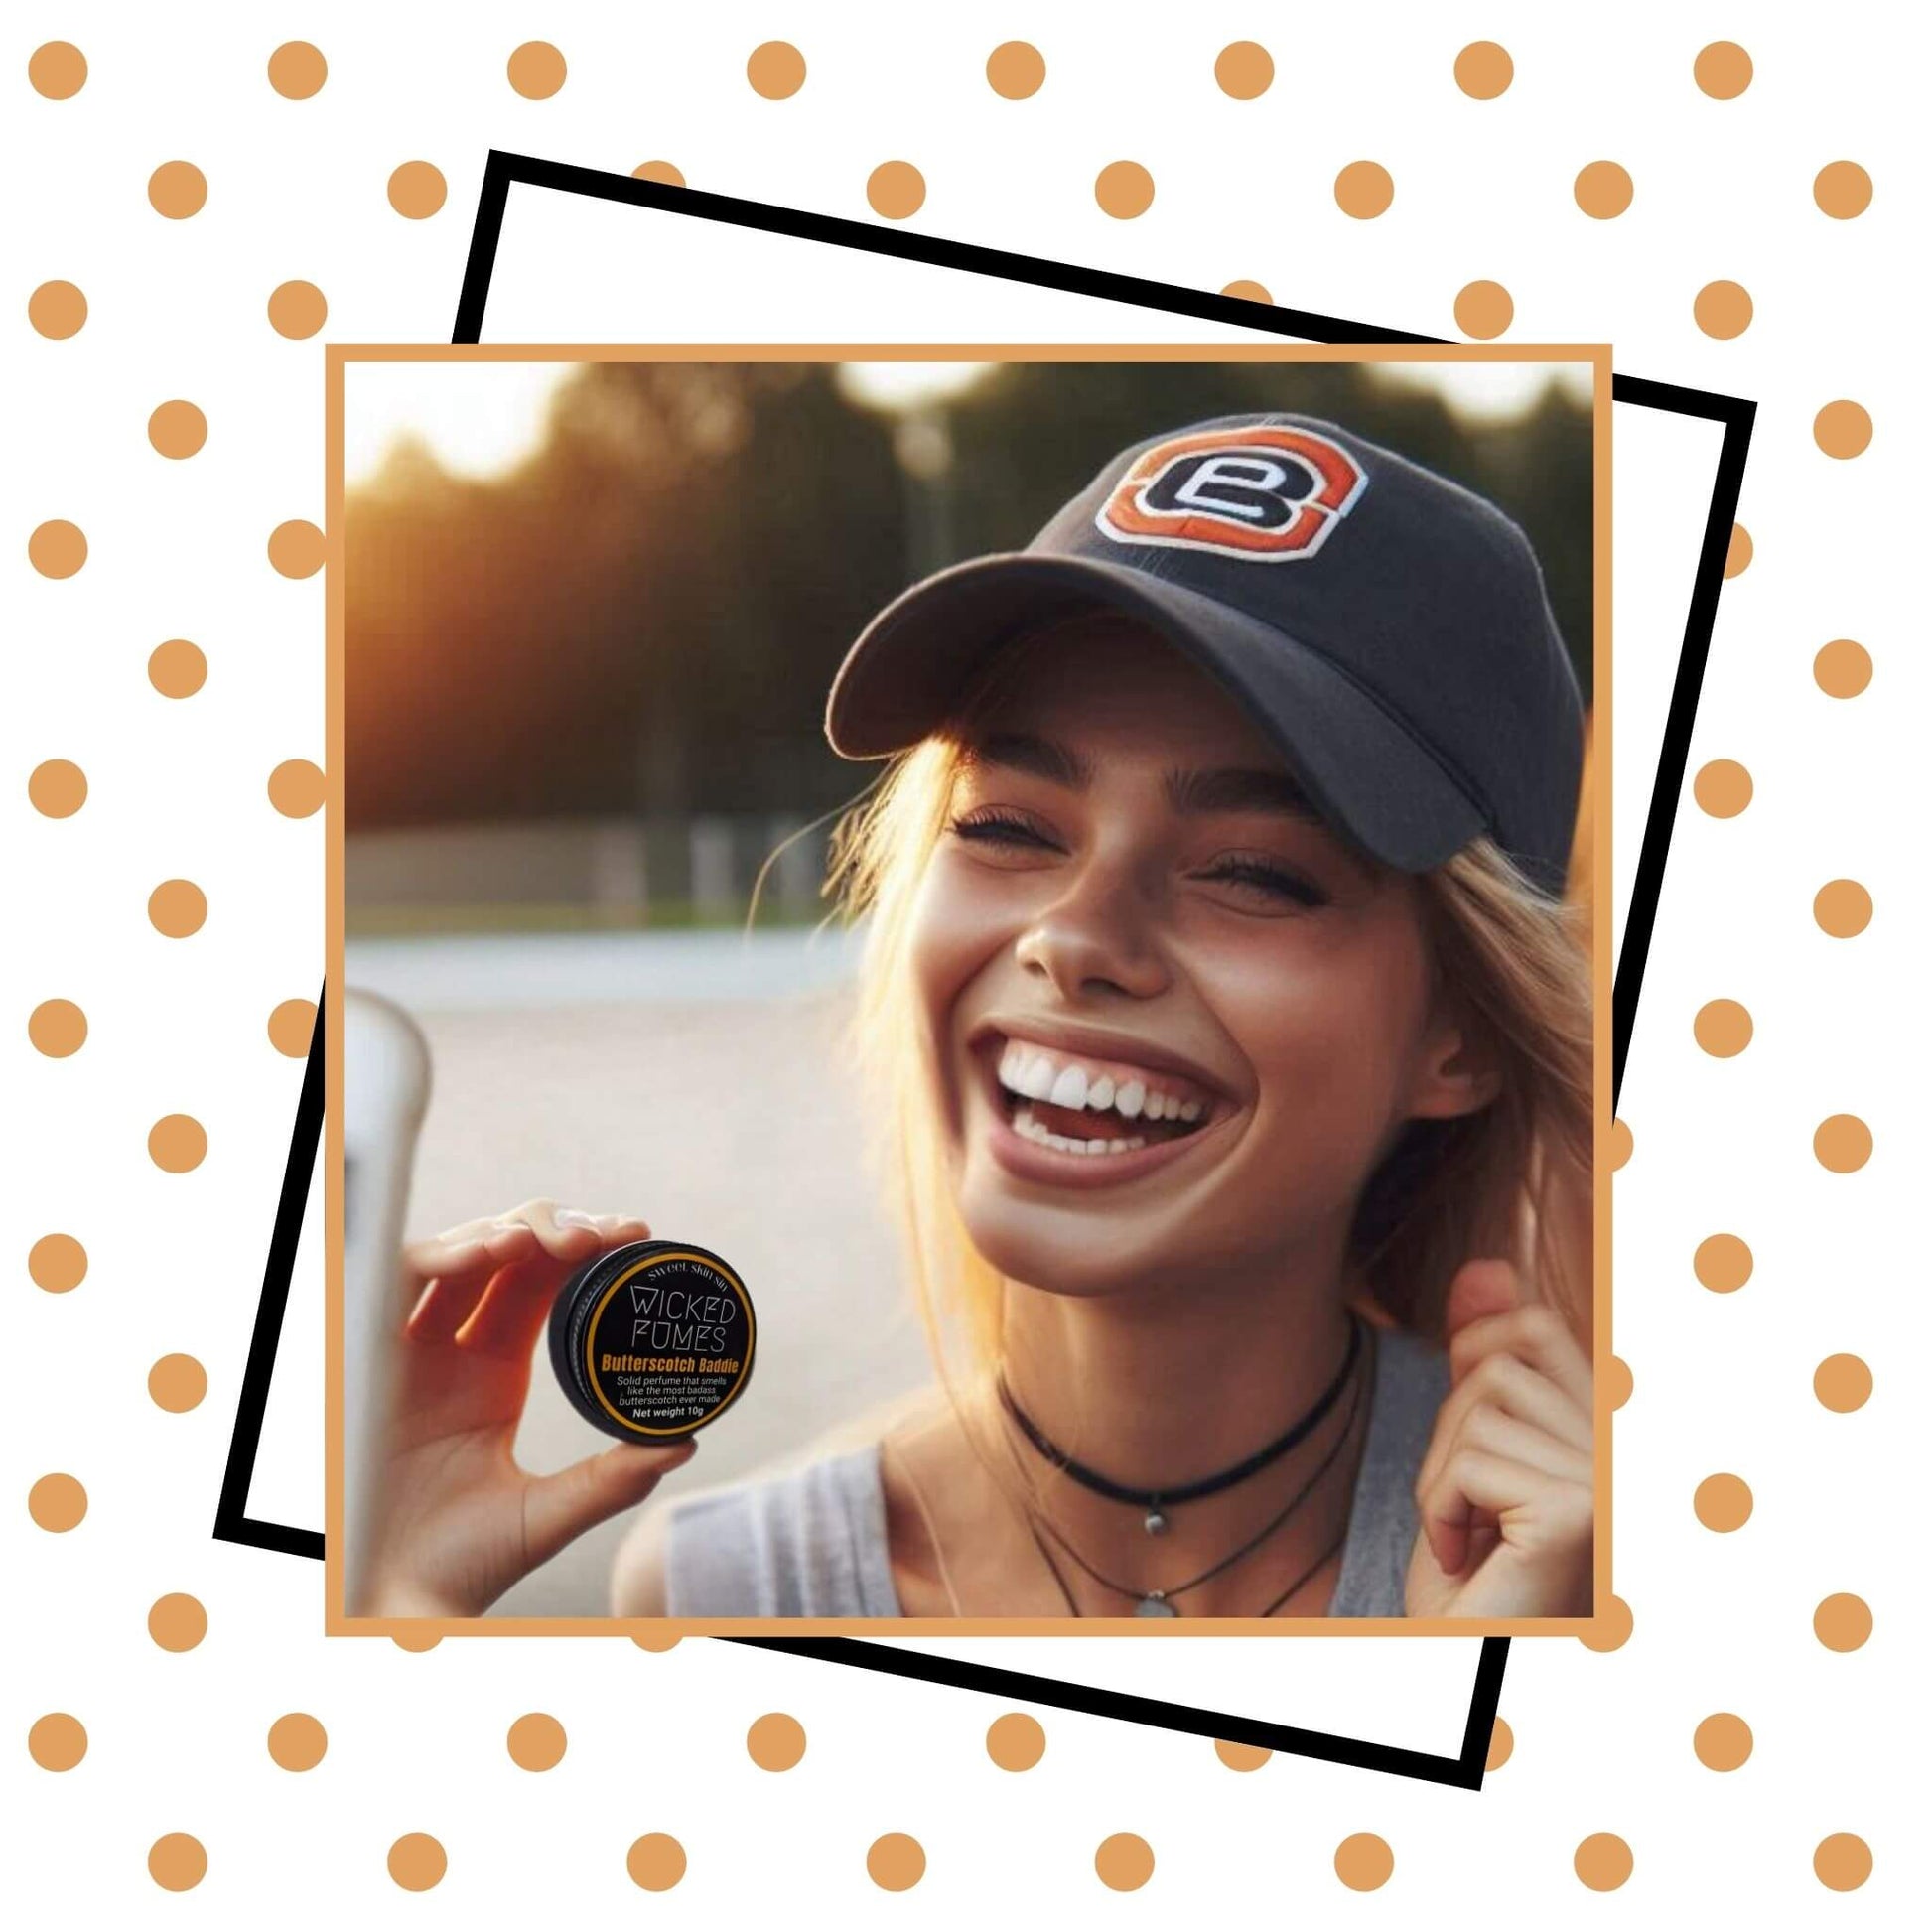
(1269, 881)
(997, 828)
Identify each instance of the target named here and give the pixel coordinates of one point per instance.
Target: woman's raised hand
(460, 1522)
(1505, 1495)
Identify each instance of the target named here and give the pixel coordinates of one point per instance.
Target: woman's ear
(1457, 1074)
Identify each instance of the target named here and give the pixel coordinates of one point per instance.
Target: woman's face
(1131, 918)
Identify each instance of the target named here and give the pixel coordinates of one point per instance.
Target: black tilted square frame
(233, 1524)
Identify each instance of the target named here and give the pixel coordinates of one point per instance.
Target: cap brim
(1365, 770)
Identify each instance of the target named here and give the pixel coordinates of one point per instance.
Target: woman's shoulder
(807, 1539)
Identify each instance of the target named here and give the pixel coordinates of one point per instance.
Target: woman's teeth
(1025, 1125)
(1035, 1074)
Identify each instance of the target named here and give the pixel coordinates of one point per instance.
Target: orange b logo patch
(1264, 495)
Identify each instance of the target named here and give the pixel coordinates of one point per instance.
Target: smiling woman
(1231, 1048)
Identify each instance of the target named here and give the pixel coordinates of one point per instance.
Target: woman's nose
(1098, 932)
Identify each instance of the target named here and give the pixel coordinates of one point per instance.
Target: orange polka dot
(58, 1263)
(177, 1383)
(57, 548)
(1841, 1622)
(177, 908)
(656, 1861)
(1611, 1630)
(1841, 190)
(178, 190)
(1722, 1263)
(1843, 1143)
(56, 311)
(1364, 190)
(1723, 69)
(297, 310)
(176, 1621)
(1124, 190)
(1364, 1861)
(177, 429)
(1841, 908)
(655, 1639)
(1842, 428)
(1244, 71)
(177, 1862)
(1248, 292)
(297, 789)
(177, 1144)
(536, 71)
(1484, 310)
(177, 669)
(537, 1742)
(1722, 1741)
(57, 1503)
(1604, 189)
(1722, 310)
(1622, 1144)
(1841, 669)
(1015, 1741)
(1723, 1029)
(1241, 1757)
(292, 1026)
(671, 177)
(896, 190)
(1723, 1503)
(775, 1741)
(1737, 557)
(1483, 70)
(57, 1741)
(1502, 1745)
(296, 71)
(56, 788)
(296, 548)
(1722, 789)
(57, 71)
(1618, 1380)
(416, 1640)
(777, 71)
(895, 1861)
(58, 1029)
(1124, 1861)
(297, 1742)
(1842, 1383)
(1014, 70)
(417, 190)
(1603, 1862)
(417, 1862)
(1842, 1861)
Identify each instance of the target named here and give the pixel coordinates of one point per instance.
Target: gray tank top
(812, 1542)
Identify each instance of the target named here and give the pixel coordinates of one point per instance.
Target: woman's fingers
(1535, 1333)
(557, 1509)
(1508, 1385)
(1475, 1481)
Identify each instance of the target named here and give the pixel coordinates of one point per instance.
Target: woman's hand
(461, 1521)
(1506, 1494)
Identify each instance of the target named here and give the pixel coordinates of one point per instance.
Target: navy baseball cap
(1386, 628)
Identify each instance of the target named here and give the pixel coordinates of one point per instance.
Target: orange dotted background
(199, 207)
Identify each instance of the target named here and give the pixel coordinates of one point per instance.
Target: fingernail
(569, 1217)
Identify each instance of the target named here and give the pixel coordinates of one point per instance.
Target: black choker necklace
(1155, 1502)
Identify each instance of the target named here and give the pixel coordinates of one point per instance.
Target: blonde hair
(1513, 1178)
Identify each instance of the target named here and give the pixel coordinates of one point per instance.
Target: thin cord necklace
(1158, 1602)
(1154, 1503)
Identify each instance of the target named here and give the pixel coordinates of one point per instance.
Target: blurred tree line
(646, 615)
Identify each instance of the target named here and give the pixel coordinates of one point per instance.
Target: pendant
(1155, 1604)
(1155, 1524)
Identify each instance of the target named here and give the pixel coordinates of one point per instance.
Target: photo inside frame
(591, 613)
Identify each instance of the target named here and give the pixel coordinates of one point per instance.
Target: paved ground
(733, 1123)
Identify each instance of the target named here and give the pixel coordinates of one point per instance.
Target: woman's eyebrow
(1229, 789)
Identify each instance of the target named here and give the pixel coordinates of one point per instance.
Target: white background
(1722, 1383)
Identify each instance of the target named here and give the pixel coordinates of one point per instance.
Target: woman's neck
(1160, 1387)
